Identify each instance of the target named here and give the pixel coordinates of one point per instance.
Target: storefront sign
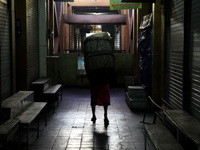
(139, 1)
(64, 0)
(118, 5)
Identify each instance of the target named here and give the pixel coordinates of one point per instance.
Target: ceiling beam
(95, 19)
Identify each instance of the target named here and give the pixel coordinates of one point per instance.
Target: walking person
(99, 64)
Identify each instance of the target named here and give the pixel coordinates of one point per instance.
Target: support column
(51, 26)
(163, 50)
(13, 46)
(136, 52)
(156, 51)
(22, 48)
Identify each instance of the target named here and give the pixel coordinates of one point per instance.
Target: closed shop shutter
(33, 37)
(46, 19)
(195, 58)
(175, 53)
(5, 49)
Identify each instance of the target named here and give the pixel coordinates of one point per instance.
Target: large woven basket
(99, 58)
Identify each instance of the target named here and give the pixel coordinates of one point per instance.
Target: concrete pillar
(156, 51)
(163, 52)
(13, 45)
(136, 52)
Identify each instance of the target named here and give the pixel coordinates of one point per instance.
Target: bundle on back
(99, 58)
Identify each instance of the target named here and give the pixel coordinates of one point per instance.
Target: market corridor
(70, 127)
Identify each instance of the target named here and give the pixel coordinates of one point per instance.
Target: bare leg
(93, 111)
(93, 114)
(106, 121)
(105, 111)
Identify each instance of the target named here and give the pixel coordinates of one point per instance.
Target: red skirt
(100, 95)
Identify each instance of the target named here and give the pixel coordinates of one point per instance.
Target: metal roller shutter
(33, 36)
(175, 53)
(195, 58)
(5, 49)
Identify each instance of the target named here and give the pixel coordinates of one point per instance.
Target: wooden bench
(38, 88)
(185, 124)
(14, 104)
(158, 132)
(46, 91)
(21, 106)
(8, 130)
(161, 137)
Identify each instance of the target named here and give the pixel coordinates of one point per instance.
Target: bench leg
(178, 135)
(145, 140)
(57, 98)
(53, 107)
(61, 94)
(18, 140)
(38, 126)
(54, 98)
(6, 145)
(27, 137)
(45, 115)
(145, 113)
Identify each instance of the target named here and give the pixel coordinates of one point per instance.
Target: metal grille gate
(175, 53)
(5, 47)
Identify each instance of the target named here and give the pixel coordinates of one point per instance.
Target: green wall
(68, 70)
(123, 67)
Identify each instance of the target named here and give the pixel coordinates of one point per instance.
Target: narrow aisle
(71, 128)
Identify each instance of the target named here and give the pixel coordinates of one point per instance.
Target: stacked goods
(99, 58)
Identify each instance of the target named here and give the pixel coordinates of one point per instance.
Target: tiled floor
(70, 127)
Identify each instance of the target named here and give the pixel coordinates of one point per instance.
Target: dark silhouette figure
(100, 95)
